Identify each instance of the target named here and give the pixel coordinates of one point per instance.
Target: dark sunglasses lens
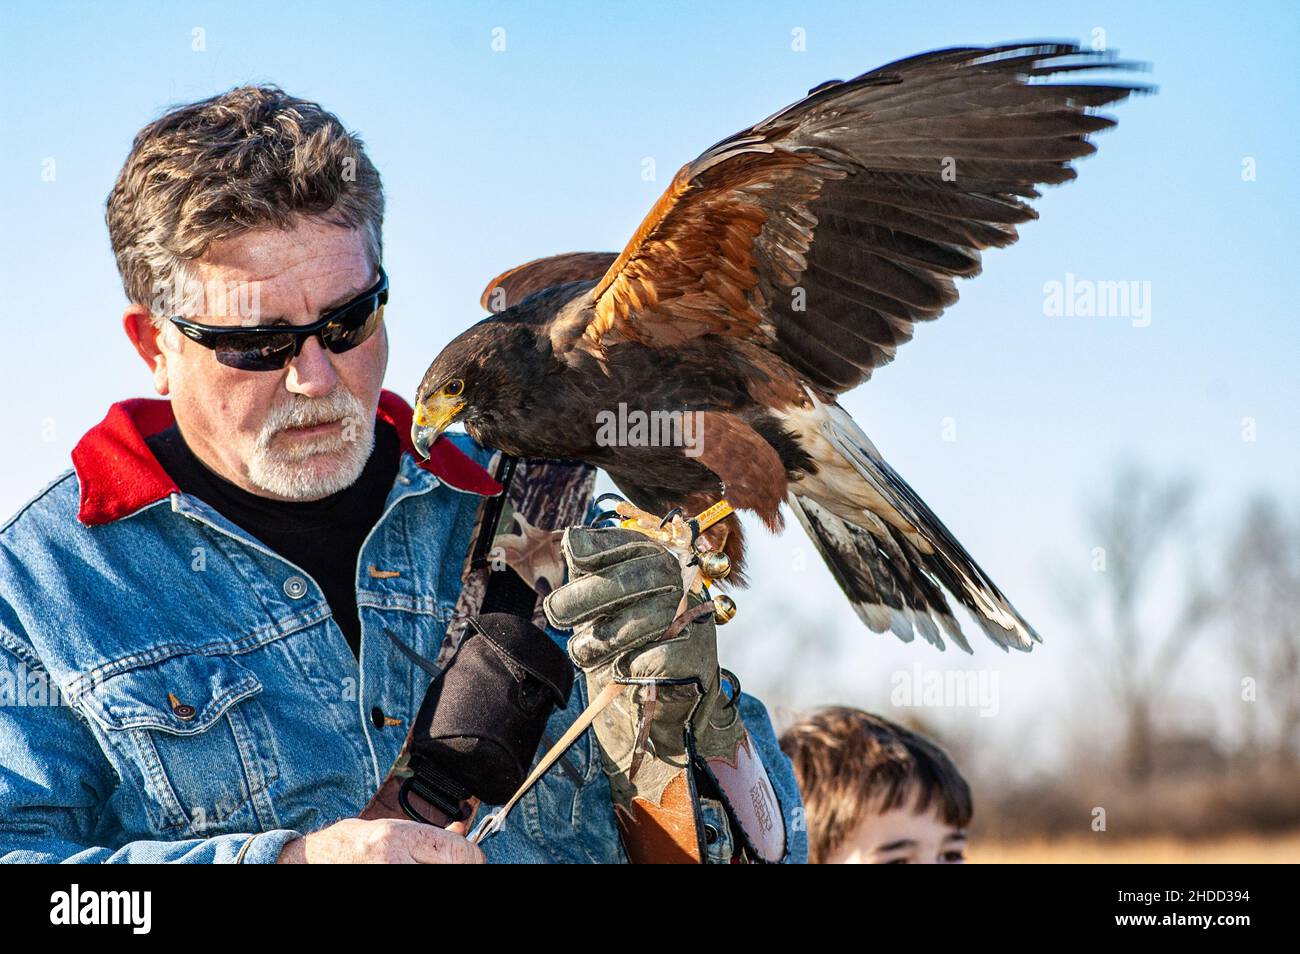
(255, 352)
(354, 326)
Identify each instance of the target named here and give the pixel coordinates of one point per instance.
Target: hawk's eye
(453, 387)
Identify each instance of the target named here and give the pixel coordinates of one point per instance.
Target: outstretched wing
(511, 287)
(828, 230)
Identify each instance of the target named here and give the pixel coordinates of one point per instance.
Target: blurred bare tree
(1142, 527)
(1263, 600)
(1138, 612)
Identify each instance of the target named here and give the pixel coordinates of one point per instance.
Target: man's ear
(146, 338)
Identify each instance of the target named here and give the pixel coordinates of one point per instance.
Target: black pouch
(482, 719)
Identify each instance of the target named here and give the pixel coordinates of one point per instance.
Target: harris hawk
(778, 270)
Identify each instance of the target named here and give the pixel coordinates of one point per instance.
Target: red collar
(119, 474)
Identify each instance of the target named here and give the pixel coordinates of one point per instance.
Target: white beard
(309, 469)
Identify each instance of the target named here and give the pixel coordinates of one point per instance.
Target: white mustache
(307, 412)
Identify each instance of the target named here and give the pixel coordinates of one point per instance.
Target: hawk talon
(668, 517)
(604, 515)
(734, 683)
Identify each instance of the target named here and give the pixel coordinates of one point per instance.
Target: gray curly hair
(252, 157)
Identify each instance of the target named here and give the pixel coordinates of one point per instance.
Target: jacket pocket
(193, 732)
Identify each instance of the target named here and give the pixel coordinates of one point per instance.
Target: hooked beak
(432, 416)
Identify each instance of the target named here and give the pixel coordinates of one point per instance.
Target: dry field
(1101, 849)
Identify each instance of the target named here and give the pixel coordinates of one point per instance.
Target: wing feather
(827, 230)
(511, 287)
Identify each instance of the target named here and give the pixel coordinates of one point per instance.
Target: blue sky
(494, 157)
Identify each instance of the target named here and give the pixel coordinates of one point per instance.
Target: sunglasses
(271, 347)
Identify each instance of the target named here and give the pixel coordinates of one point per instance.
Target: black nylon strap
(506, 591)
(435, 787)
(492, 515)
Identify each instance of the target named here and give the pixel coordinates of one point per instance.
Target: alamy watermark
(1086, 298)
(131, 908)
(189, 297)
(946, 689)
(21, 686)
(638, 428)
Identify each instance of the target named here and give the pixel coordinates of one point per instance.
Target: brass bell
(714, 564)
(724, 608)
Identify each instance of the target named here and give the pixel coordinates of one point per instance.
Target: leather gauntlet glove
(620, 601)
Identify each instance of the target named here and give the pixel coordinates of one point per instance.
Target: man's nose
(312, 372)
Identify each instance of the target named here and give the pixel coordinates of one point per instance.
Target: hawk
(776, 272)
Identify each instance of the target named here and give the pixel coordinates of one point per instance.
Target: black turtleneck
(323, 537)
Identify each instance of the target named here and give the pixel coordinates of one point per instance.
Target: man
(237, 598)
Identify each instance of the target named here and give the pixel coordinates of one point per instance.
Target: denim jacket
(171, 690)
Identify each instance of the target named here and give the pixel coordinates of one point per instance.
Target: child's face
(902, 836)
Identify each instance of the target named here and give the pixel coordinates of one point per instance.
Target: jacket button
(184, 711)
(710, 834)
(377, 717)
(295, 587)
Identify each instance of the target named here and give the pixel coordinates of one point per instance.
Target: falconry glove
(674, 730)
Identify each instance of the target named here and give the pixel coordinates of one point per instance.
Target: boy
(875, 792)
